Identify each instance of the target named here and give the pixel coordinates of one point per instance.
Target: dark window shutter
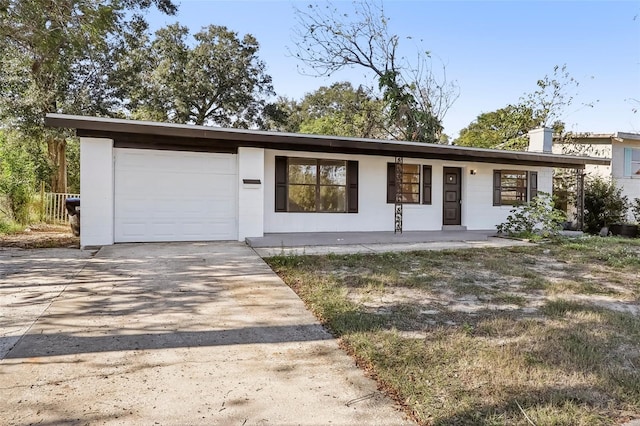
(281, 184)
(497, 183)
(352, 187)
(426, 184)
(533, 185)
(391, 183)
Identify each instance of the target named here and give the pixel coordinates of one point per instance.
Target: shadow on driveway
(184, 333)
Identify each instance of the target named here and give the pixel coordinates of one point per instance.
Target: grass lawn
(544, 335)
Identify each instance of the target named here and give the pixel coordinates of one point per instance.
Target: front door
(451, 196)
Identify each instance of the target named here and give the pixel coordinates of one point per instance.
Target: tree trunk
(57, 155)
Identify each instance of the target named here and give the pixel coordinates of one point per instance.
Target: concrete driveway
(189, 333)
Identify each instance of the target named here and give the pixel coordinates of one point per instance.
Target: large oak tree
(53, 54)
(218, 80)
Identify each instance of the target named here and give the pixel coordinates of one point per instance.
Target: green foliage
(16, 180)
(635, 209)
(604, 204)
(56, 57)
(9, 227)
(218, 80)
(504, 128)
(338, 110)
(536, 218)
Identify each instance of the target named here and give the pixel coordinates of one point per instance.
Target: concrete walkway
(188, 333)
(374, 242)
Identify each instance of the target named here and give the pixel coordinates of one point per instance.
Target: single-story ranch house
(145, 181)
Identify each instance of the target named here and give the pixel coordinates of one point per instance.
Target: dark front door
(452, 190)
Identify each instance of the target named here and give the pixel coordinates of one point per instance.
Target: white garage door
(174, 196)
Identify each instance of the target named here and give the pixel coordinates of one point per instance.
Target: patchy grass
(547, 334)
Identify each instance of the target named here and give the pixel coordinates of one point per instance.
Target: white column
(250, 192)
(96, 192)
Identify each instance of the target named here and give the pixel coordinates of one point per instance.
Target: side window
(512, 187)
(410, 189)
(631, 162)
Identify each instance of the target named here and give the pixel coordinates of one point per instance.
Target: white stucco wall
(96, 192)
(592, 150)
(250, 196)
(630, 184)
(374, 214)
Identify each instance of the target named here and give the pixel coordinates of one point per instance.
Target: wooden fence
(53, 207)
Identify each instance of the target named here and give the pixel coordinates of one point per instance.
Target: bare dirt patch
(41, 236)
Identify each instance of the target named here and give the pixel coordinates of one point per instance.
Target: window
(632, 162)
(314, 185)
(512, 186)
(410, 189)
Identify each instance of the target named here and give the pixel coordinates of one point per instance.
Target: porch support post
(398, 204)
(580, 199)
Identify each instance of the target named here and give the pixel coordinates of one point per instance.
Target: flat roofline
(114, 128)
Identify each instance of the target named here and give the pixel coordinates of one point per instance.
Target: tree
(328, 40)
(507, 128)
(50, 50)
(338, 110)
(218, 81)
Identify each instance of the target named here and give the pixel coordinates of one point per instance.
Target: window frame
(529, 189)
(421, 184)
(630, 164)
(283, 184)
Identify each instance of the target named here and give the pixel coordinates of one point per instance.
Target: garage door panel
(175, 196)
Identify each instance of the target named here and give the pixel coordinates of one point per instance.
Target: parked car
(73, 209)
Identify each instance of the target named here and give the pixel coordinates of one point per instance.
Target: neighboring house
(622, 148)
(144, 181)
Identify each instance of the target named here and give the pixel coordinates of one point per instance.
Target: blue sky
(495, 51)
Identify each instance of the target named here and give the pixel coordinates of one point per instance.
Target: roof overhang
(158, 135)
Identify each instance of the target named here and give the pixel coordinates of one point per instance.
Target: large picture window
(410, 188)
(316, 185)
(511, 187)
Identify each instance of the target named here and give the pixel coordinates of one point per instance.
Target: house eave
(192, 137)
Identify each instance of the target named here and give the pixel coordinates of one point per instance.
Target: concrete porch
(299, 239)
(374, 242)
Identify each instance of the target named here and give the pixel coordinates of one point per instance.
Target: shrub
(536, 218)
(635, 209)
(16, 180)
(604, 204)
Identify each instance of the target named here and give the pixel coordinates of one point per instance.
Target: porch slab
(349, 238)
(374, 242)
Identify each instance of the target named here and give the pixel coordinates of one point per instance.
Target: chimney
(540, 140)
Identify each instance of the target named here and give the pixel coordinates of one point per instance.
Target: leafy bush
(536, 218)
(635, 209)
(604, 204)
(9, 227)
(16, 180)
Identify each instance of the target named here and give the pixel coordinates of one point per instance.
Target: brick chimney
(540, 140)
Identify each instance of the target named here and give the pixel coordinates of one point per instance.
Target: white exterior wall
(630, 184)
(592, 150)
(375, 214)
(250, 196)
(96, 192)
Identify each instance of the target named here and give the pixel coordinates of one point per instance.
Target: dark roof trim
(233, 138)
